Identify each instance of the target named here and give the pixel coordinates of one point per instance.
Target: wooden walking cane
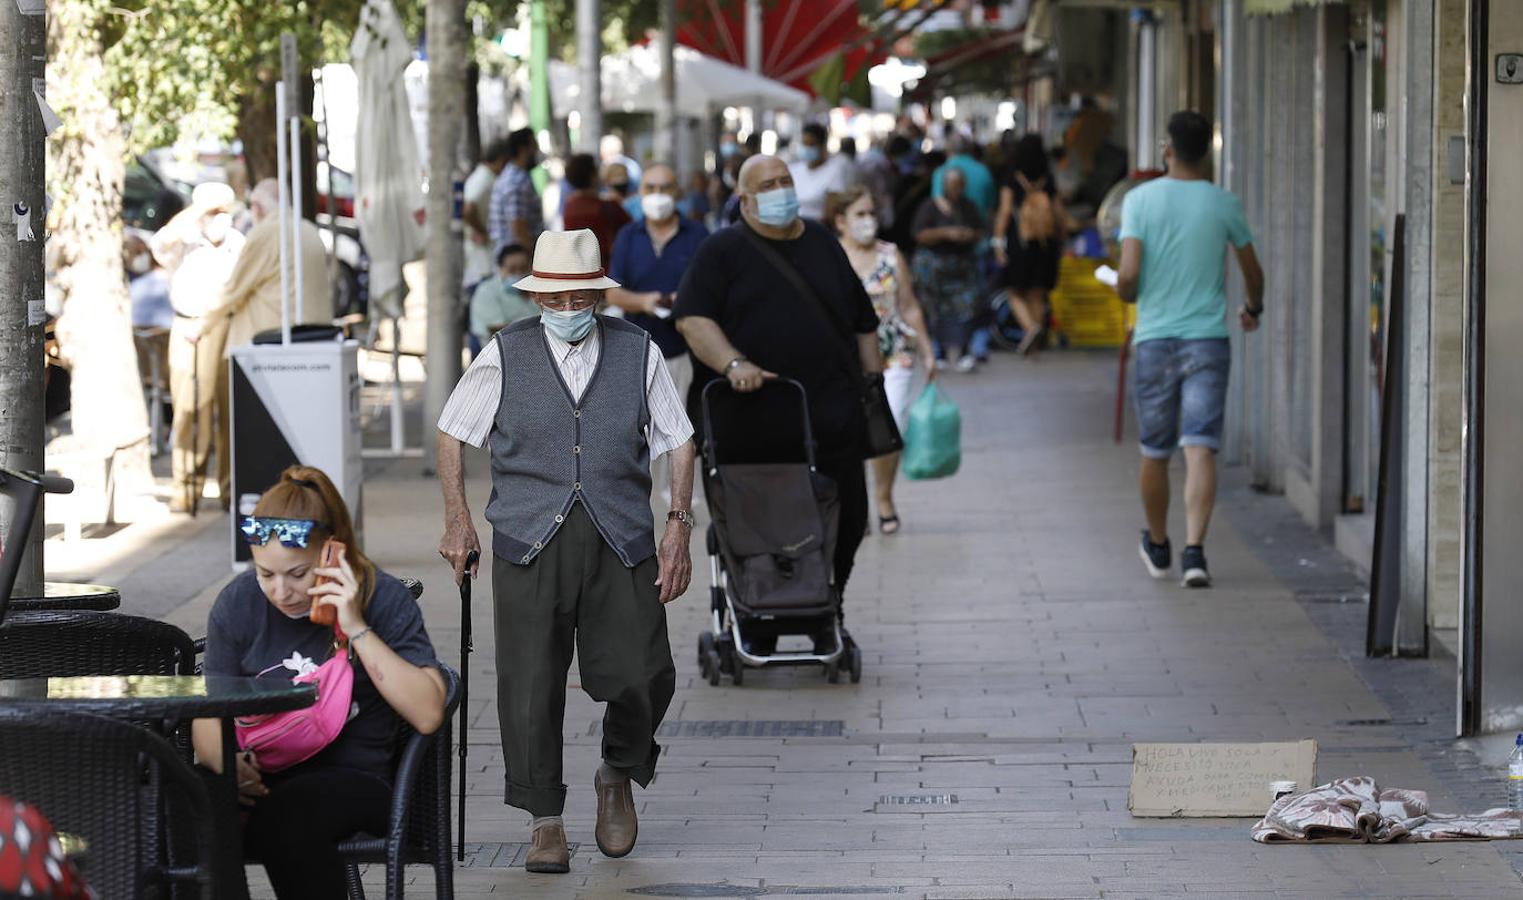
(465, 686)
(193, 486)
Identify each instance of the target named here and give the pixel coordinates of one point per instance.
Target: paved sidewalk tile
(1014, 649)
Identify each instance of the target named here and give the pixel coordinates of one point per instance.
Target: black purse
(881, 435)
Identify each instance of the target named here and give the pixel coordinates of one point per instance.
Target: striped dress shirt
(472, 408)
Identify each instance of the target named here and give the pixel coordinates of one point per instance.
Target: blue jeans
(1181, 393)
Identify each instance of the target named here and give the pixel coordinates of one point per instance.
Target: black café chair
(103, 780)
(60, 644)
(420, 813)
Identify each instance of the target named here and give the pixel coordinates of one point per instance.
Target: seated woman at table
(259, 626)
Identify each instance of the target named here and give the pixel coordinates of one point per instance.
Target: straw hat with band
(567, 261)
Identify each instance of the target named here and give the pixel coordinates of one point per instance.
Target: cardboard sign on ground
(1207, 780)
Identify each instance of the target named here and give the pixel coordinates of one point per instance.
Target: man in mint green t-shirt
(1175, 232)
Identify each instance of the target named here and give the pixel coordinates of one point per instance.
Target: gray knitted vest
(550, 451)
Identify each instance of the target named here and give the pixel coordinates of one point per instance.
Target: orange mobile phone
(322, 613)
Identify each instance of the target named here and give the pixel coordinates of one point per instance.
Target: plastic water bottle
(1515, 775)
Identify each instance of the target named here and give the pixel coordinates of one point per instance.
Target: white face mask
(657, 207)
(217, 228)
(140, 264)
(864, 230)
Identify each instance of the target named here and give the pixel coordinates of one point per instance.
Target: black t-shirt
(731, 282)
(246, 635)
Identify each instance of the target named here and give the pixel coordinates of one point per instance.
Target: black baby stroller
(771, 550)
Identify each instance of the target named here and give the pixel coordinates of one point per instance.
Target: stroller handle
(709, 444)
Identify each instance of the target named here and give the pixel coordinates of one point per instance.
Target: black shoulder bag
(882, 433)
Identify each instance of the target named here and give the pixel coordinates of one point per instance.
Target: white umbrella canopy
(388, 178)
(632, 83)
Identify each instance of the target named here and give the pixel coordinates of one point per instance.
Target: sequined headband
(290, 532)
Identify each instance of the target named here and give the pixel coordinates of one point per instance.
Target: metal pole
(282, 172)
(589, 65)
(1147, 91)
(753, 35)
(331, 257)
(22, 315)
(298, 296)
(666, 113)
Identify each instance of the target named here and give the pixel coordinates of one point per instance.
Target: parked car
(149, 199)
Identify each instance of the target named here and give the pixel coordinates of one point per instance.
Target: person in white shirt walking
(572, 406)
(818, 173)
(479, 256)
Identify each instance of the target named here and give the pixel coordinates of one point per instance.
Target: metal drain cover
(917, 799)
(744, 728)
(698, 890)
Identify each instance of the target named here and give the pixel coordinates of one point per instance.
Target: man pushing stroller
(573, 406)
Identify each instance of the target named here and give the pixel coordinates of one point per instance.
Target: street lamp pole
(23, 37)
(589, 65)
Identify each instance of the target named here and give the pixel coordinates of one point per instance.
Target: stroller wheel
(705, 644)
(855, 663)
(833, 672)
(737, 668)
(712, 660)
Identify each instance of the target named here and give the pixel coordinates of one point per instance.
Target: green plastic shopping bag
(933, 437)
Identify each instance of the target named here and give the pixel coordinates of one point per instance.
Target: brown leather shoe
(617, 827)
(548, 854)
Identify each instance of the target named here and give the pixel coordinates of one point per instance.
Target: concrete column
(1446, 322)
(1417, 199)
(1316, 491)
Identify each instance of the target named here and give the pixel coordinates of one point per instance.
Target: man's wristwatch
(730, 366)
(683, 516)
(1253, 312)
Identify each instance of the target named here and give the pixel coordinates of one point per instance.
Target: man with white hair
(234, 308)
(251, 299)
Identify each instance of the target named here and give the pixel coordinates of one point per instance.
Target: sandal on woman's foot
(888, 524)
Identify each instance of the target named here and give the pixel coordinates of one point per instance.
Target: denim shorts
(1181, 391)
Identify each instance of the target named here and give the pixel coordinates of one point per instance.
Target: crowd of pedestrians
(593, 347)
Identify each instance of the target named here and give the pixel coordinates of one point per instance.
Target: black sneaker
(1193, 563)
(1157, 557)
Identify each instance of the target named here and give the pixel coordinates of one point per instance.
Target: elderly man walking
(745, 322)
(573, 405)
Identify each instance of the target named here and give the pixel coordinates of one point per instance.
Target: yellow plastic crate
(1085, 311)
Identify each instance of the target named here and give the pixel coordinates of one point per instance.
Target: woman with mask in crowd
(947, 230)
(902, 335)
(262, 626)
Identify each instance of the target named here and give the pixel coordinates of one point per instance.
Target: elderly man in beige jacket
(230, 311)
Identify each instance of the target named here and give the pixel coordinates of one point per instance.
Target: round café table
(60, 596)
(174, 697)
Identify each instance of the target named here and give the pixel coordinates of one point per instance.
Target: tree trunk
(95, 328)
(256, 129)
(447, 37)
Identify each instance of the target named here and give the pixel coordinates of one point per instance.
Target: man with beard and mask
(573, 406)
(743, 323)
(516, 214)
(649, 259)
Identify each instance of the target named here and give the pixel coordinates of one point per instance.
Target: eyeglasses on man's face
(569, 301)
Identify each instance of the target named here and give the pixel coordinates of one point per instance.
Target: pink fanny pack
(281, 740)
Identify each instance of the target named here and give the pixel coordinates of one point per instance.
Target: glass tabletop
(60, 595)
(159, 696)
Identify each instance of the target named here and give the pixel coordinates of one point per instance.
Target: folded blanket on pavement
(1357, 811)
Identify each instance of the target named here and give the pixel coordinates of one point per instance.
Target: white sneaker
(967, 364)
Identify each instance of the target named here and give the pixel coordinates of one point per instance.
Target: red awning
(797, 36)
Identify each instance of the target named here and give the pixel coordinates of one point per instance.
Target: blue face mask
(809, 154)
(777, 208)
(727, 149)
(568, 326)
